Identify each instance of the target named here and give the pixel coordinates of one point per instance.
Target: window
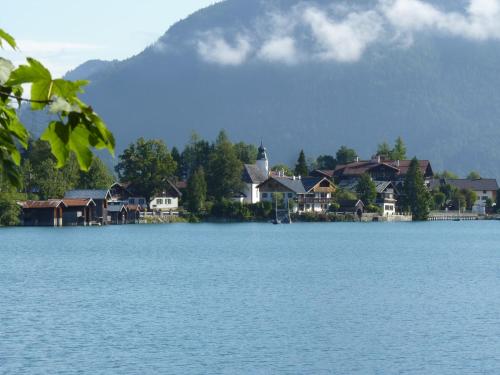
(264, 195)
(159, 201)
(141, 201)
(169, 201)
(290, 195)
(131, 201)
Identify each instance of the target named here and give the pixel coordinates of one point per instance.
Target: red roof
(53, 203)
(76, 202)
(401, 167)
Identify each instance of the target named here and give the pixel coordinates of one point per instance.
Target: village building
(380, 170)
(485, 189)
(167, 200)
(308, 194)
(253, 176)
(387, 194)
(57, 212)
(351, 206)
(117, 213)
(124, 192)
(100, 198)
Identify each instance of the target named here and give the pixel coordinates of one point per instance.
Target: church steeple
(262, 161)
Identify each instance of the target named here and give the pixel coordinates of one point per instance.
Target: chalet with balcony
(309, 194)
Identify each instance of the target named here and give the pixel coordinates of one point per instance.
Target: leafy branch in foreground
(78, 129)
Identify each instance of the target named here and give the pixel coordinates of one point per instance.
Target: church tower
(262, 161)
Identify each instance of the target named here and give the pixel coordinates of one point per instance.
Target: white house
(167, 200)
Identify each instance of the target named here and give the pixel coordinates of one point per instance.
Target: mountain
(317, 75)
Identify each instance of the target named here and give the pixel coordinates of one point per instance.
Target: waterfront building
(101, 199)
(308, 194)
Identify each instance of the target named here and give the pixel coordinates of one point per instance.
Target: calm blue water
(251, 299)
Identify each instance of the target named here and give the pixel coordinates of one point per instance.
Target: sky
(63, 34)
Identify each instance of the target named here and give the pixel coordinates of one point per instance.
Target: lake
(340, 298)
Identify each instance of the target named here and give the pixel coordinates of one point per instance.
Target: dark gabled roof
(382, 186)
(92, 194)
(170, 188)
(350, 203)
(290, 184)
(311, 182)
(117, 208)
(488, 184)
(323, 172)
(252, 174)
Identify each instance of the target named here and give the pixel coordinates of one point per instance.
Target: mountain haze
(317, 75)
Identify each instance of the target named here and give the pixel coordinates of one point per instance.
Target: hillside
(316, 75)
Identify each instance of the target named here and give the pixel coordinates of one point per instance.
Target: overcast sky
(63, 34)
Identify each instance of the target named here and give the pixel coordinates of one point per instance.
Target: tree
(301, 166)
(399, 150)
(384, 150)
(98, 176)
(346, 155)
(53, 182)
(439, 200)
(366, 189)
(416, 197)
(470, 198)
(326, 162)
(178, 161)
(224, 169)
(446, 175)
(147, 165)
(247, 153)
(9, 209)
(196, 154)
(473, 175)
(77, 129)
(283, 168)
(196, 191)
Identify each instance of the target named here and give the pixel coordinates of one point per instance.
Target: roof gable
(92, 194)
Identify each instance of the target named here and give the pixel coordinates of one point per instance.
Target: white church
(253, 176)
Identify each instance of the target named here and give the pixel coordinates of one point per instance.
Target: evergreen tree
(178, 161)
(146, 164)
(326, 162)
(384, 150)
(366, 189)
(416, 196)
(196, 192)
(346, 155)
(98, 176)
(399, 150)
(224, 169)
(196, 154)
(301, 166)
(246, 153)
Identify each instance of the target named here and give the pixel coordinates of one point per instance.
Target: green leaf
(6, 67)
(40, 79)
(33, 72)
(78, 143)
(8, 38)
(67, 90)
(57, 134)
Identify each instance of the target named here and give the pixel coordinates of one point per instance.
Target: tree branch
(25, 99)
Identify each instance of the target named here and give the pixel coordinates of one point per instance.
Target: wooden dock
(453, 216)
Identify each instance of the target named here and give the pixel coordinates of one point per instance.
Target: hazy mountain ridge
(440, 94)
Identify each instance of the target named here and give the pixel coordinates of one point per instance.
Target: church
(254, 175)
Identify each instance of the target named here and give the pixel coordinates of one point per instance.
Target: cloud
(279, 49)
(343, 32)
(346, 40)
(48, 47)
(215, 49)
(481, 20)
